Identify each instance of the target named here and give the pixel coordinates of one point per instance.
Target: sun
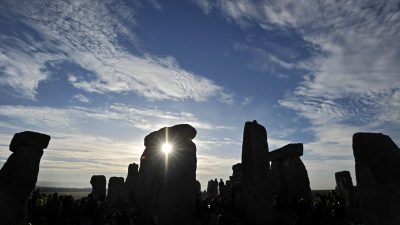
(166, 148)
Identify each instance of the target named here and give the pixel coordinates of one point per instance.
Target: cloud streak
(76, 153)
(352, 78)
(72, 118)
(89, 34)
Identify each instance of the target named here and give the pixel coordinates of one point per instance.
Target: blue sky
(98, 76)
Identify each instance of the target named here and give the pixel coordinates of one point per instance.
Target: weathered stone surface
(377, 160)
(294, 149)
(18, 175)
(167, 183)
(98, 183)
(116, 190)
(289, 175)
(257, 190)
(344, 187)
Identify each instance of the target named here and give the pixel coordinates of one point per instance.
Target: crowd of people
(65, 210)
(328, 209)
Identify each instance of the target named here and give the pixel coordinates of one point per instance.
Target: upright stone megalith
(131, 183)
(98, 183)
(116, 190)
(377, 162)
(237, 187)
(132, 177)
(19, 174)
(212, 188)
(167, 181)
(289, 175)
(257, 192)
(344, 187)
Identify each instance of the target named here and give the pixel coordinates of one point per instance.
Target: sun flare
(166, 148)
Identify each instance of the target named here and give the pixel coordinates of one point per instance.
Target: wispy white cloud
(72, 118)
(23, 62)
(269, 62)
(87, 33)
(227, 98)
(205, 5)
(81, 98)
(71, 159)
(354, 80)
(77, 153)
(351, 82)
(155, 4)
(247, 100)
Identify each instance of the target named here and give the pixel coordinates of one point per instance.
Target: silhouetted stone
(344, 187)
(18, 175)
(221, 187)
(377, 160)
(228, 191)
(167, 189)
(131, 183)
(257, 189)
(133, 174)
(294, 149)
(212, 188)
(237, 188)
(198, 186)
(31, 139)
(116, 190)
(98, 183)
(237, 172)
(289, 175)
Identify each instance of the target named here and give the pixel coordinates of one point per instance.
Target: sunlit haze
(166, 148)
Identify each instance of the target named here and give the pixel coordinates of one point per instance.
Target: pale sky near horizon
(98, 76)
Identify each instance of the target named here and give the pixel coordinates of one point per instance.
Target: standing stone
(131, 183)
(289, 175)
(221, 187)
(237, 188)
(215, 187)
(116, 190)
(344, 187)
(167, 192)
(98, 183)
(18, 176)
(377, 162)
(228, 191)
(257, 188)
(132, 178)
(237, 172)
(198, 187)
(212, 188)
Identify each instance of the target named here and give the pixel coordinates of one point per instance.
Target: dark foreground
(323, 208)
